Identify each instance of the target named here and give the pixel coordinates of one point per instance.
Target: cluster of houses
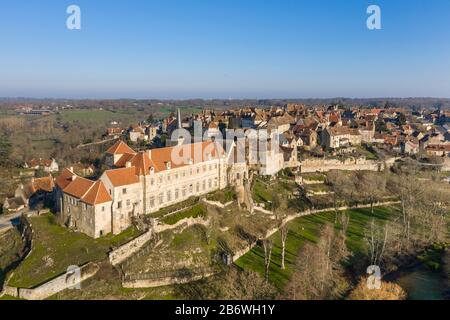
(141, 182)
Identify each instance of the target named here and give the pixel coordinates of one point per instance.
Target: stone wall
(148, 281)
(325, 165)
(127, 250)
(217, 203)
(122, 253)
(50, 288)
(260, 209)
(185, 223)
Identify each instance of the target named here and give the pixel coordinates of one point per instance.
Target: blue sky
(224, 49)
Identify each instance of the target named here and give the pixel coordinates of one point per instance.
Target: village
(155, 221)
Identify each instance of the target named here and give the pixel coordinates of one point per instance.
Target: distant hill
(416, 103)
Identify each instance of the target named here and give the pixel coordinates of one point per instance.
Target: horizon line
(229, 99)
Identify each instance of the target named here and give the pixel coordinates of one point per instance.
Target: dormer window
(152, 170)
(168, 165)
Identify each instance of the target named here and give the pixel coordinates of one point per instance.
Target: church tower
(179, 118)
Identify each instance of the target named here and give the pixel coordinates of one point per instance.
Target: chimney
(128, 164)
(149, 153)
(74, 177)
(71, 169)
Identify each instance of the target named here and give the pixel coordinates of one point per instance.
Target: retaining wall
(123, 252)
(50, 288)
(153, 283)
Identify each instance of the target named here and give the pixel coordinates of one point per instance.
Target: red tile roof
(142, 163)
(124, 159)
(120, 147)
(45, 184)
(180, 156)
(79, 187)
(97, 194)
(64, 179)
(122, 177)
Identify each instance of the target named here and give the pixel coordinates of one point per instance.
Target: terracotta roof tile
(122, 177)
(79, 187)
(64, 179)
(180, 156)
(124, 159)
(97, 194)
(120, 147)
(142, 163)
(46, 184)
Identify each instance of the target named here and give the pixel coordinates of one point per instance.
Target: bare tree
(370, 186)
(345, 221)
(284, 234)
(377, 238)
(268, 246)
(318, 272)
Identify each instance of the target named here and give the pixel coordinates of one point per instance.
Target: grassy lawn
(55, 248)
(318, 177)
(260, 193)
(11, 246)
(196, 211)
(307, 229)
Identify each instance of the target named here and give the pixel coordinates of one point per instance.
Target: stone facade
(140, 184)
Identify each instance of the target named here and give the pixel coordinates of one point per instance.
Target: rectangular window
(124, 191)
(152, 202)
(161, 198)
(177, 194)
(169, 196)
(119, 204)
(103, 209)
(128, 203)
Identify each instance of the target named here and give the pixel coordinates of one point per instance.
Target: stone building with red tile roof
(85, 205)
(140, 183)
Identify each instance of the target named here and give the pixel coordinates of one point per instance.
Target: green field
(55, 248)
(95, 115)
(307, 229)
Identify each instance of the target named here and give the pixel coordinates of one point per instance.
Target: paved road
(8, 220)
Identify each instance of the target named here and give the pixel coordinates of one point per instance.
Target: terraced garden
(307, 229)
